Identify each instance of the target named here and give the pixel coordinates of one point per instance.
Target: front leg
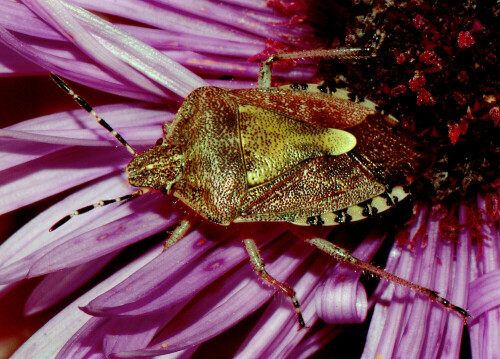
(342, 53)
(180, 232)
(258, 265)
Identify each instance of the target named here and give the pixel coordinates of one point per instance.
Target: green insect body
(299, 154)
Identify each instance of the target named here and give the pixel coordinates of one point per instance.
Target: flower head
(151, 302)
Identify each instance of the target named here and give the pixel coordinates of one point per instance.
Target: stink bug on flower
(309, 155)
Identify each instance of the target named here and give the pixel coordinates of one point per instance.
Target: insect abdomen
(356, 212)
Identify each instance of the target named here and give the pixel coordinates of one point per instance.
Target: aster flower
(178, 301)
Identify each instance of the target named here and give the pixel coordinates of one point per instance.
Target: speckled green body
(299, 154)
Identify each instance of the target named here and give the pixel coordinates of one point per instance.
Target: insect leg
(85, 209)
(84, 104)
(258, 266)
(343, 53)
(179, 233)
(343, 255)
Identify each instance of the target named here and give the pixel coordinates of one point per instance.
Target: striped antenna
(103, 203)
(84, 104)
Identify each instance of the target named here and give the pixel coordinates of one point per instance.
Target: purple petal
(125, 334)
(47, 341)
(485, 328)
(124, 56)
(387, 320)
(138, 124)
(184, 273)
(342, 299)
(58, 285)
(454, 331)
(134, 114)
(34, 239)
(15, 152)
(35, 235)
(484, 294)
(6, 288)
(17, 17)
(54, 173)
(257, 5)
(236, 297)
(81, 71)
(277, 331)
(75, 250)
(103, 334)
(117, 51)
(225, 14)
(142, 287)
(164, 18)
(83, 345)
(111, 335)
(413, 335)
(163, 40)
(439, 320)
(315, 341)
(220, 66)
(11, 63)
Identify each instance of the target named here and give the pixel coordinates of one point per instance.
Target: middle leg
(258, 265)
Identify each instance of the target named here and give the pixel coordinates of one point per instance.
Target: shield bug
(305, 154)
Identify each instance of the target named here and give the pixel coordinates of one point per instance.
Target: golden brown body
(302, 156)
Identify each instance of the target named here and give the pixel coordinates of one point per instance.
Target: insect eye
(159, 142)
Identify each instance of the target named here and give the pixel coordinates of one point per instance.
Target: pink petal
(208, 45)
(164, 18)
(454, 331)
(121, 116)
(51, 133)
(54, 173)
(236, 296)
(75, 250)
(58, 285)
(185, 272)
(387, 320)
(342, 299)
(78, 69)
(484, 294)
(11, 63)
(17, 17)
(277, 330)
(414, 332)
(15, 152)
(34, 240)
(115, 50)
(123, 334)
(485, 328)
(47, 341)
(83, 345)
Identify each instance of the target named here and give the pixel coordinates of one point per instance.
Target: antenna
(103, 203)
(84, 104)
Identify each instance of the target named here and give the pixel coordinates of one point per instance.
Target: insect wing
(320, 186)
(310, 106)
(385, 158)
